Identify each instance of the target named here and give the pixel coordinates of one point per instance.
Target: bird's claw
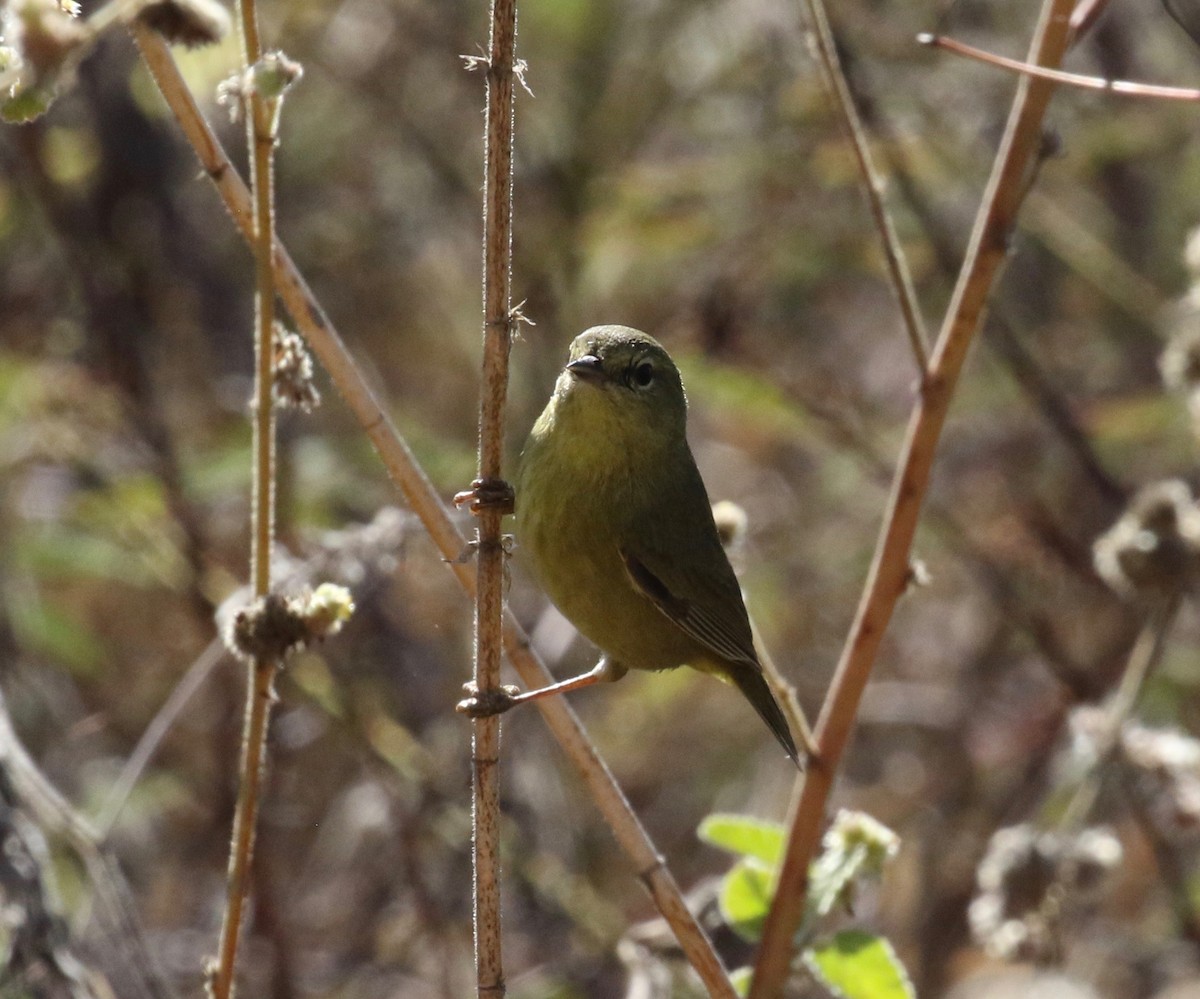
(490, 702)
(487, 494)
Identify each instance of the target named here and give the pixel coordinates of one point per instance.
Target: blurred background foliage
(681, 170)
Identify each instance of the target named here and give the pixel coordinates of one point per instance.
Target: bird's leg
(487, 494)
(497, 701)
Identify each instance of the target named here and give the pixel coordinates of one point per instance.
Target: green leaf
(746, 895)
(745, 836)
(26, 105)
(857, 965)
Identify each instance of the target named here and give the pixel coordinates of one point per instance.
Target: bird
(615, 524)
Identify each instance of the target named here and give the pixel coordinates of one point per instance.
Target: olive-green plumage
(615, 522)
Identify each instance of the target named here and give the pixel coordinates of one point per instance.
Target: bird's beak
(589, 367)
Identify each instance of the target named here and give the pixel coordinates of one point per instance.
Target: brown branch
(410, 478)
(889, 572)
(1126, 88)
(489, 553)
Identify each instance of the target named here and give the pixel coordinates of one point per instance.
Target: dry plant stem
(897, 263)
(260, 137)
(410, 478)
(489, 595)
(157, 730)
(1143, 658)
(260, 134)
(889, 573)
(241, 852)
(1126, 88)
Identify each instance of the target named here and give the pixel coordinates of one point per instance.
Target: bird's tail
(755, 689)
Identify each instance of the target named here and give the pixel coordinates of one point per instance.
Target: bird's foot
(487, 494)
(489, 702)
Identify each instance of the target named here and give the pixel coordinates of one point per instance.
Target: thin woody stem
(260, 131)
(489, 596)
(889, 572)
(1125, 88)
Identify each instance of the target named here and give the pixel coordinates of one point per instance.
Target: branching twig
(410, 478)
(890, 570)
(1126, 88)
(897, 263)
(490, 555)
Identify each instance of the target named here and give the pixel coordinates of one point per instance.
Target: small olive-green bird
(617, 527)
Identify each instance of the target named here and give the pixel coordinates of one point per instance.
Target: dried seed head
(273, 626)
(187, 22)
(850, 830)
(42, 40)
(1018, 876)
(292, 372)
(1154, 549)
(1167, 762)
(1160, 750)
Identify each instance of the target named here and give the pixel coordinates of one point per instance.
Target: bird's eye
(643, 375)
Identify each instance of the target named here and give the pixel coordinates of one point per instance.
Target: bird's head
(620, 380)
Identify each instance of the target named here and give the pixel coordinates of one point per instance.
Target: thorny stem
(897, 263)
(489, 596)
(260, 131)
(889, 572)
(418, 491)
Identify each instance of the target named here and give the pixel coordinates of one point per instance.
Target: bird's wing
(708, 623)
(683, 570)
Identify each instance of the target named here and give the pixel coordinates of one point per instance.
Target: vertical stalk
(260, 130)
(489, 598)
(888, 577)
